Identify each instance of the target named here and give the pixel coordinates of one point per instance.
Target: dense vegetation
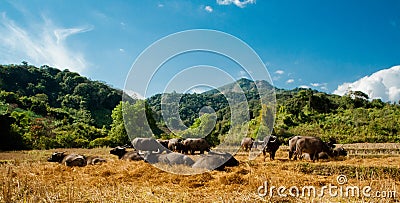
(47, 108)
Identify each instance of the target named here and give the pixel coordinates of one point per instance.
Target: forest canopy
(42, 108)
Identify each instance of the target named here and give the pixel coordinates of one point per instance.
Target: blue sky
(327, 45)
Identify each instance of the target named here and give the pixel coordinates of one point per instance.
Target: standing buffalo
(216, 160)
(313, 146)
(168, 158)
(68, 159)
(126, 155)
(195, 144)
(271, 145)
(292, 146)
(257, 143)
(147, 144)
(247, 143)
(163, 142)
(175, 145)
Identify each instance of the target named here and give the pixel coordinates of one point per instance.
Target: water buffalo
(313, 146)
(271, 145)
(216, 160)
(292, 146)
(339, 151)
(163, 142)
(148, 144)
(247, 143)
(93, 160)
(257, 143)
(175, 145)
(168, 158)
(195, 144)
(126, 155)
(67, 159)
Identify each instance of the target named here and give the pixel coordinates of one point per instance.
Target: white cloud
(279, 72)
(383, 84)
(122, 50)
(323, 86)
(238, 3)
(208, 9)
(304, 86)
(40, 45)
(290, 81)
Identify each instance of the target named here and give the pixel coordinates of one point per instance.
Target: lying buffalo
(312, 146)
(168, 158)
(175, 145)
(216, 160)
(126, 155)
(195, 144)
(271, 145)
(68, 159)
(337, 152)
(148, 144)
(93, 160)
(247, 143)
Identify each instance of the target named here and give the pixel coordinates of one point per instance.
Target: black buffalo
(126, 155)
(168, 158)
(68, 159)
(216, 160)
(93, 160)
(195, 144)
(148, 144)
(271, 145)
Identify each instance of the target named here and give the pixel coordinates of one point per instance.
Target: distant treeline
(45, 107)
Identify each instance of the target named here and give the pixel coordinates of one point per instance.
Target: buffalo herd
(176, 151)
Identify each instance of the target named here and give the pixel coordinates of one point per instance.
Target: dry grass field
(26, 176)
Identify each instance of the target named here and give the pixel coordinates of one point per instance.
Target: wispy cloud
(279, 72)
(384, 84)
(238, 3)
(290, 81)
(322, 86)
(208, 9)
(39, 45)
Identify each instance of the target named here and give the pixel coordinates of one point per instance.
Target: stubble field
(26, 176)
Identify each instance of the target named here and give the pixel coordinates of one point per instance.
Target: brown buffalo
(247, 143)
(126, 155)
(67, 159)
(313, 146)
(175, 145)
(195, 144)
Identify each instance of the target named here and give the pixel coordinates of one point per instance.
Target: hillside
(46, 107)
(42, 108)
